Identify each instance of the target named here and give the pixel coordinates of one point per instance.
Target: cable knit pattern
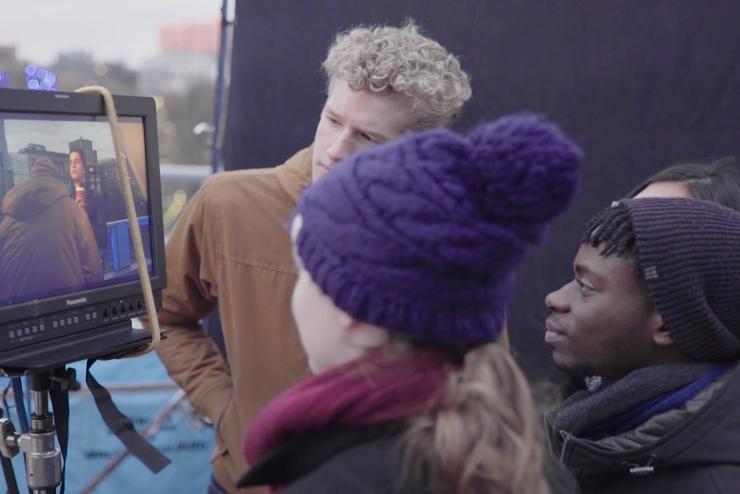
(421, 235)
(689, 253)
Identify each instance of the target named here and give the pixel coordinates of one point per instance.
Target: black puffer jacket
(358, 460)
(691, 450)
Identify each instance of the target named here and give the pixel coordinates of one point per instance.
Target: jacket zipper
(566, 439)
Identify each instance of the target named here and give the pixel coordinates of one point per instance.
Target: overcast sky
(56, 135)
(112, 30)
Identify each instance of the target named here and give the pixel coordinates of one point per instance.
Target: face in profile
(321, 325)
(601, 320)
(76, 167)
(353, 120)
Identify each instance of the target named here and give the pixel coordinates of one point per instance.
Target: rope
(133, 220)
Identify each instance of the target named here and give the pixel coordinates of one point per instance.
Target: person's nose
(341, 147)
(557, 301)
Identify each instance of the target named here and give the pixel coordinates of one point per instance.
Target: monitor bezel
(78, 104)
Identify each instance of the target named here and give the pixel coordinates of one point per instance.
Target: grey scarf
(585, 409)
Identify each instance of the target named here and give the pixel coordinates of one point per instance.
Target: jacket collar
(677, 439)
(295, 174)
(301, 455)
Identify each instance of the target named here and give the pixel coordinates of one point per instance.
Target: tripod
(43, 458)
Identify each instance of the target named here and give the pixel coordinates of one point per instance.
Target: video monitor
(68, 271)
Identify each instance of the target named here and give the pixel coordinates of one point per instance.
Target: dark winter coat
(333, 461)
(47, 244)
(693, 449)
(362, 460)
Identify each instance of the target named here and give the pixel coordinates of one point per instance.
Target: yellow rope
(133, 220)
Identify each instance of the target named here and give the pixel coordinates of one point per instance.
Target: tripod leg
(9, 474)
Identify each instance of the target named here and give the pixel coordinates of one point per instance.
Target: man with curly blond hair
(231, 250)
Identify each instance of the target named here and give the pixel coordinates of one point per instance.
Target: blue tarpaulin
(141, 389)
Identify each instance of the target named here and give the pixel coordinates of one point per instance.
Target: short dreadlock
(613, 228)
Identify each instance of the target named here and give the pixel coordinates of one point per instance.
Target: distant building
(8, 53)
(7, 180)
(15, 168)
(11, 69)
(29, 154)
(189, 53)
(6, 164)
(107, 175)
(190, 37)
(76, 61)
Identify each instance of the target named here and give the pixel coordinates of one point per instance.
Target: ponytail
(484, 438)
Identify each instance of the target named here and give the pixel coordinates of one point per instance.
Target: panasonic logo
(76, 301)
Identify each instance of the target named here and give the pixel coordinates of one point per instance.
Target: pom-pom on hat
(421, 235)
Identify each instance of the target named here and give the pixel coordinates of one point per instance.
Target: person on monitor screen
(47, 246)
(86, 197)
(399, 303)
(78, 174)
(653, 310)
(230, 248)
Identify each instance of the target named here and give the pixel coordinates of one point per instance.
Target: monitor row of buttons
(60, 323)
(122, 309)
(27, 331)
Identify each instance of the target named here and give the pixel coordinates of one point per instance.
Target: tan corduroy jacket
(231, 248)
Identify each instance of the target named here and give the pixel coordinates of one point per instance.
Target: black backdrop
(639, 85)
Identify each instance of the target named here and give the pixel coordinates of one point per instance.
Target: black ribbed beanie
(688, 251)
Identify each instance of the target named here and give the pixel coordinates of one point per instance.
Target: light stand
(43, 458)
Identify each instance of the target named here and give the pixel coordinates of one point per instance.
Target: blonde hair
(380, 58)
(485, 438)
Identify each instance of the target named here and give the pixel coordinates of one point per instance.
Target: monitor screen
(69, 279)
(63, 221)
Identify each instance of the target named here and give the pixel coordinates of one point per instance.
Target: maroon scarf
(373, 389)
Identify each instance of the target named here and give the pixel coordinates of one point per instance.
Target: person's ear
(660, 333)
(362, 335)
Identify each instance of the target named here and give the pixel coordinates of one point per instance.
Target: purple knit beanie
(421, 235)
(688, 251)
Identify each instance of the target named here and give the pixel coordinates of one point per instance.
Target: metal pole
(216, 157)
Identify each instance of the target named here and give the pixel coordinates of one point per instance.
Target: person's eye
(332, 120)
(367, 138)
(582, 286)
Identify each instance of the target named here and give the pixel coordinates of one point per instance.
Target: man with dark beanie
(654, 312)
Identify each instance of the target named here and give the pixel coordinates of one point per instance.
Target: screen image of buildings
(104, 198)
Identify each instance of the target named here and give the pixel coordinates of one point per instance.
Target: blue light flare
(5, 79)
(40, 78)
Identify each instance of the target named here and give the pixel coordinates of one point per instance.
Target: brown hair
(717, 181)
(485, 438)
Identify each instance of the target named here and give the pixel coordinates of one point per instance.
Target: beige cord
(133, 220)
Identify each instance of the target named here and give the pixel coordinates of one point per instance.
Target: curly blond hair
(381, 58)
